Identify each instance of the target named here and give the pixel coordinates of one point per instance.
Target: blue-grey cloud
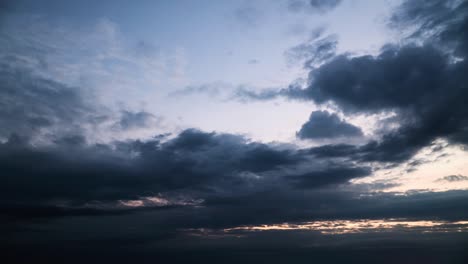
(133, 120)
(322, 124)
(332, 175)
(30, 104)
(212, 89)
(441, 23)
(253, 61)
(314, 52)
(453, 178)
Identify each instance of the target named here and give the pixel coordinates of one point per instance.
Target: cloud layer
(59, 183)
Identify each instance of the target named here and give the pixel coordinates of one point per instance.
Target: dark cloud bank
(66, 199)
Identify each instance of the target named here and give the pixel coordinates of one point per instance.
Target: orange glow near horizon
(337, 227)
(361, 226)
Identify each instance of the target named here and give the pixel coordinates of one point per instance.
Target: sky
(273, 131)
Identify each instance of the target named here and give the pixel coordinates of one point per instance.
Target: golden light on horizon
(338, 227)
(358, 226)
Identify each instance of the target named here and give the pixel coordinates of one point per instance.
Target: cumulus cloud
(322, 124)
(419, 81)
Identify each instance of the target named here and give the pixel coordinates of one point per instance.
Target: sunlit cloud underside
(337, 227)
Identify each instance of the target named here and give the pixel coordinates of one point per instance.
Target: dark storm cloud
(392, 148)
(322, 124)
(332, 151)
(195, 162)
(417, 83)
(328, 177)
(235, 179)
(421, 83)
(397, 78)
